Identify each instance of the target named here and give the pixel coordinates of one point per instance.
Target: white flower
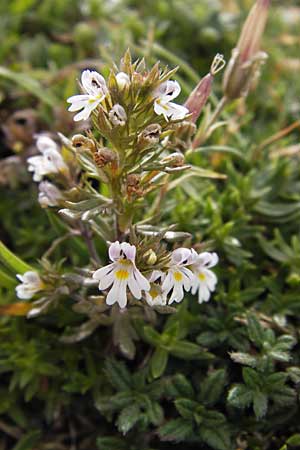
(121, 273)
(117, 115)
(163, 95)
(49, 162)
(156, 296)
(204, 279)
(49, 194)
(178, 278)
(94, 88)
(30, 285)
(122, 80)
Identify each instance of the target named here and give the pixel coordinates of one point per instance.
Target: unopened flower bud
(117, 115)
(83, 143)
(150, 257)
(173, 160)
(243, 67)
(122, 80)
(133, 185)
(104, 156)
(149, 136)
(198, 98)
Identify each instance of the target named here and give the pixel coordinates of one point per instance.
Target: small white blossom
(30, 285)
(122, 80)
(50, 161)
(163, 95)
(205, 280)
(120, 274)
(49, 194)
(94, 88)
(117, 115)
(178, 278)
(156, 296)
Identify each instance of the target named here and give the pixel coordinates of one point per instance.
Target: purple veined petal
(141, 280)
(99, 273)
(31, 277)
(210, 279)
(204, 259)
(167, 91)
(117, 294)
(161, 108)
(177, 112)
(180, 256)
(157, 274)
(92, 82)
(168, 282)
(76, 106)
(114, 251)
(78, 98)
(177, 294)
(129, 251)
(214, 260)
(107, 280)
(85, 113)
(134, 286)
(24, 293)
(204, 294)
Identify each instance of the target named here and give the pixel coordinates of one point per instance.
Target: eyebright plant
(103, 183)
(123, 348)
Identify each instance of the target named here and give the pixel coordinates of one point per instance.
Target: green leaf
(180, 387)
(111, 443)
(128, 418)
(6, 280)
(30, 84)
(240, 396)
(151, 336)
(28, 441)
(260, 404)
(217, 438)
(189, 350)
(159, 362)
(294, 441)
(117, 374)
(186, 407)
(255, 331)
(176, 430)
(251, 377)
(212, 387)
(13, 262)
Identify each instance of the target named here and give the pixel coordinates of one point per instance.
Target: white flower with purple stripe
(179, 278)
(205, 280)
(95, 90)
(163, 95)
(121, 274)
(31, 283)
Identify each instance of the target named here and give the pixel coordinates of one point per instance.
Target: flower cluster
(187, 270)
(95, 91)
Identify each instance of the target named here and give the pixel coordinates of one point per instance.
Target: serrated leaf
(128, 418)
(159, 362)
(260, 404)
(212, 387)
(217, 438)
(240, 396)
(176, 430)
(189, 350)
(255, 330)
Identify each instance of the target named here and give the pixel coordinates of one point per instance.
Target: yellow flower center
(177, 276)
(201, 277)
(122, 274)
(154, 292)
